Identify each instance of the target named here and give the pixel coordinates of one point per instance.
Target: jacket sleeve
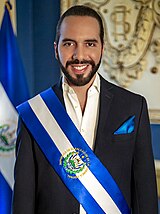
(144, 194)
(24, 187)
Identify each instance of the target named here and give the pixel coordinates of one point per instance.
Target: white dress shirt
(86, 123)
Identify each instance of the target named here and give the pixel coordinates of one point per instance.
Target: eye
(90, 44)
(68, 44)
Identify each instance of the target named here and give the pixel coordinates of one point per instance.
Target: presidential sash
(70, 156)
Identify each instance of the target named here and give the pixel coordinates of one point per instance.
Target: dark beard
(79, 80)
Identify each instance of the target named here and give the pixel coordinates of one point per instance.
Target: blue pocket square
(127, 127)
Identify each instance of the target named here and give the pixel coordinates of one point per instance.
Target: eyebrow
(87, 40)
(91, 40)
(68, 40)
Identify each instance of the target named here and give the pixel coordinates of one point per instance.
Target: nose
(79, 53)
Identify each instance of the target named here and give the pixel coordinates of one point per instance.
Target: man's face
(79, 49)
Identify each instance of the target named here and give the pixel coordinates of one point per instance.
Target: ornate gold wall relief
(129, 27)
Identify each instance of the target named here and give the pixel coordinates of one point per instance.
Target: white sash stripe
(99, 193)
(62, 143)
(48, 122)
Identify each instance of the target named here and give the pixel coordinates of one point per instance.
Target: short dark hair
(80, 10)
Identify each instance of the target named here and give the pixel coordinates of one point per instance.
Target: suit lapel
(105, 105)
(58, 91)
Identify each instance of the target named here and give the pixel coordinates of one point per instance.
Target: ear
(56, 50)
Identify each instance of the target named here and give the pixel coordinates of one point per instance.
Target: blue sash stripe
(53, 155)
(76, 139)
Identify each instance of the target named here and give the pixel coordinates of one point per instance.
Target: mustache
(77, 61)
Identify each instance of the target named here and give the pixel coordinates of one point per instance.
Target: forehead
(80, 26)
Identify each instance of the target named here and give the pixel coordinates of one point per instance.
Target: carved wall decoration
(129, 61)
(155, 48)
(129, 27)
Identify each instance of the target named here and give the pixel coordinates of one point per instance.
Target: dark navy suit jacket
(128, 157)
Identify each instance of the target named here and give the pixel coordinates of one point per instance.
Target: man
(56, 170)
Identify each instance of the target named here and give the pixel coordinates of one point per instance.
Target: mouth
(79, 69)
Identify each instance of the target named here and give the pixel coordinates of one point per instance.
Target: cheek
(64, 55)
(96, 56)
(61, 57)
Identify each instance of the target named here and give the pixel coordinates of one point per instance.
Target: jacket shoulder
(120, 91)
